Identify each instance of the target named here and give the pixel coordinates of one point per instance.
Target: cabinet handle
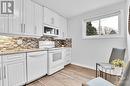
(4, 72)
(21, 28)
(35, 30)
(24, 28)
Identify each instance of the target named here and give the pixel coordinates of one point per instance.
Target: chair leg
(105, 75)
(100, 73)
(96, 69)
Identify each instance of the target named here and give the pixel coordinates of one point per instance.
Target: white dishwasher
(36, 65)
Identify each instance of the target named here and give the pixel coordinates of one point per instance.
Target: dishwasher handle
(37, 55)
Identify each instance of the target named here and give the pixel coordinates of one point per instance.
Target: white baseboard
(83, 65)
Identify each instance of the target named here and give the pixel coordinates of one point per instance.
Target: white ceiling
(70, 8)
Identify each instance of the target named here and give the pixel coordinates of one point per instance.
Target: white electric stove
(55, 57)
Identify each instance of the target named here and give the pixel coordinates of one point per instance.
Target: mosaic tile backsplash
(11, 43)
(63, 43)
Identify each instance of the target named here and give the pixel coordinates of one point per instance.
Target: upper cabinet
(38, 20)
(33, 18)
(15, 20)
(63, 27)
(4, 23)
(12, 23)
(55, 20)
(51, 18)
(27, 19)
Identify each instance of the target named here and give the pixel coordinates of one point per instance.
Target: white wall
(86, 52)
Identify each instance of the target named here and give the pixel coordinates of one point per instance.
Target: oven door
(55, 58)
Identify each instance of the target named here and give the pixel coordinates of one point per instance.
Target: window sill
(103, 37)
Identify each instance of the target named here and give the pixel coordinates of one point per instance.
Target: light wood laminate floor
(71, 75)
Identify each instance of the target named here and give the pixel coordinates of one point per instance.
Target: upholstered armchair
(124, 81)
(103, 67)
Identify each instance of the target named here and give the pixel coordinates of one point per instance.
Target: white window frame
(120, 25)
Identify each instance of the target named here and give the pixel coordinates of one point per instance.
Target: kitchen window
(103, 26)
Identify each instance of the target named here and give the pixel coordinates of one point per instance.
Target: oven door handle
(55, 52)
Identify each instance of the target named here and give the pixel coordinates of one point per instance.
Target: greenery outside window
(104, 26)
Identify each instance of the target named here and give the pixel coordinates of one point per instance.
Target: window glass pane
(92, 28)
(109, 25)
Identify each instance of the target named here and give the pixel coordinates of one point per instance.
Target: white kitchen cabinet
(15, 20)
(51, 18)
(28, 21)
(22, 21)
(12, 23)
(66, 55)
(36, 65)
(0, 73)
(33, 18)
(14, 71)
(63, 27)
(38, 29)
(4, 23)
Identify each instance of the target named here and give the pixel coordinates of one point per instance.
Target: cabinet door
(51, 18)
(14, 73)
(15, 20)
(48, 19)
(66, 55)
(63, 27)
(38, 20)
(29, 18)
(0, 74)
(56, 20)
(4, 24)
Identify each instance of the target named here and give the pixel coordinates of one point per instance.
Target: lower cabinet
(0, 74)
(67, 55)
(14, 71)
(21, 68)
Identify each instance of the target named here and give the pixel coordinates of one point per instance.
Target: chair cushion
(107, 66)
(99, 82)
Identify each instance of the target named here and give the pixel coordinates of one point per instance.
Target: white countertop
(20, 51)
(27, 50)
